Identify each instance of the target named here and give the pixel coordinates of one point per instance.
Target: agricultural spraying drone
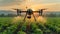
(29, 12)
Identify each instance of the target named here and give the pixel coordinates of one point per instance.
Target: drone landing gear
(25, 17)
(34, 17)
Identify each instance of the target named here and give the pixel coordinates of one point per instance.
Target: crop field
(16, 25)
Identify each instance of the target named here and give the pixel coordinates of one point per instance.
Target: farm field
(13, 25)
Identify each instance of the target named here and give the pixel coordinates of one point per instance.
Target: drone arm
(23, 11)
(40, 12)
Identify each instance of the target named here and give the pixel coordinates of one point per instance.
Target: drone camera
(29, 17)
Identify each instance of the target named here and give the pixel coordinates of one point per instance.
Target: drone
(29, 12)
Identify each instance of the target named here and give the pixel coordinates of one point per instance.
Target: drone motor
(19, 12)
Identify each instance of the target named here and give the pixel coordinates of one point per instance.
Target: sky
(51, 5)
